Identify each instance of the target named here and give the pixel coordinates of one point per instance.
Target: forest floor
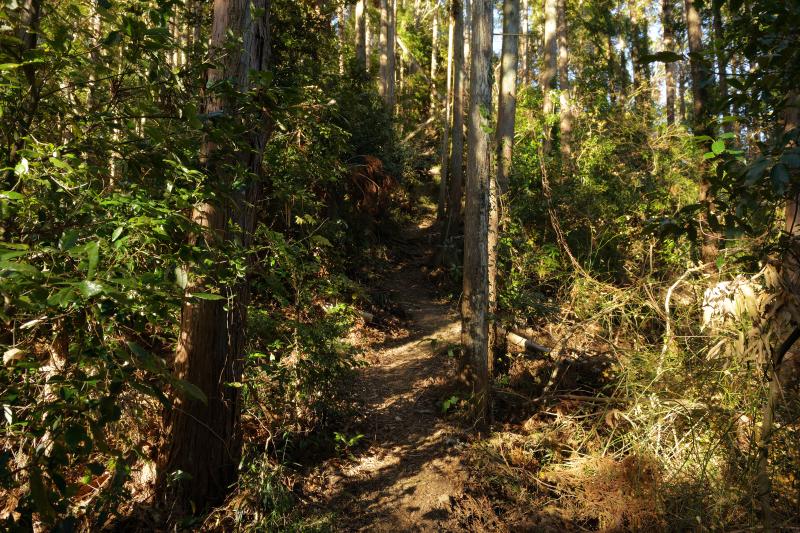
(406, 471)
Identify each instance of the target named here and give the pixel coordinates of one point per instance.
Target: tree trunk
(669, 68)
(204, 440)
(507, 100)
(681, 68)
(565, 111)
(387, 46)
(639, 49)
(434, 60)
(506, 113)
(457, 152)
(722, 63)
(361, 33)
(445, 149)
(700, 119)
(475, 307)
(524, 45)
(791, 277)
(341, 36)
(547, 77)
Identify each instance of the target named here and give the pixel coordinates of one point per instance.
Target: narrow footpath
(410, 473)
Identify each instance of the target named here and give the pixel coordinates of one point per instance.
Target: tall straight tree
(547, 75)
(525, 46)
(361, 33)
(387, 51)
(669, 68)
(565, 106)
(446, 114)
(507, 99)
(204, 440)
(457, 151)
(722, 61)
(700, 121)
(475, 305)
(434, 58)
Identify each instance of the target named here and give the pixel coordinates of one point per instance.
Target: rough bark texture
(565, 109)
(204, 440)
(700, 121)
(681, 91)
(507, 101)
(457, 153)
(387, 49)
(547, 76)
(791, 280)
(361, 33)
(446, 112)
(340, 35)
(475, 306)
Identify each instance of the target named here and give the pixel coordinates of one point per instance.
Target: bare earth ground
(411, 471)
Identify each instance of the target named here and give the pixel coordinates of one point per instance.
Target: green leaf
(206, 296)
(718, 147)
(22, 167)
(181, 277)
(90, 288)
(93, 256)
(9, 66)
(59, 163)
(19, 266)
(11, 195)
(191, 390)
(319, 240)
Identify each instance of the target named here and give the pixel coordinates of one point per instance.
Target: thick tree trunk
(791, 278)
(361, 33)
(547, 78)
(445, 149)
(457, 152)
(475, 308)
(565, 110)
(700, 123)
(669, 68)
(204, 440)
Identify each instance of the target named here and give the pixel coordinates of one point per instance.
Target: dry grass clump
(647, 415)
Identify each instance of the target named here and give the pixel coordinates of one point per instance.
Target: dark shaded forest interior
(400, 265)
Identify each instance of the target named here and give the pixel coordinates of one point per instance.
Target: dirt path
(410, 473)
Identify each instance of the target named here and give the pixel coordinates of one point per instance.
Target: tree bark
(507, 99)
(565, 110)
(525, 44)
(457, 151)
(445, 149)
(700, 123)
(791, 279)
(475, 307)
(387, 46)
(722, 63)
(434, 97)
(547, 76)
(669, 68)
(341, 36)
(681, 68)
(361, 33)
(204, 440)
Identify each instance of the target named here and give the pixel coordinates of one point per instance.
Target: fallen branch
(515, 339)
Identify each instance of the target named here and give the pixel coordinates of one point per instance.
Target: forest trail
(410, 473)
